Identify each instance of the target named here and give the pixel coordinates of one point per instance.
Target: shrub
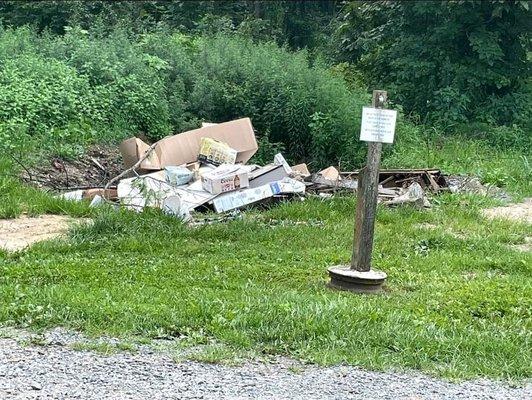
(282, 93)
(42, 93)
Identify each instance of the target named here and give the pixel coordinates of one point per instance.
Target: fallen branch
(100, 166)
(22, 165)
(127, 171)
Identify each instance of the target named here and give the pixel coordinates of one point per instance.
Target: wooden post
(377, 127)
(368, 186)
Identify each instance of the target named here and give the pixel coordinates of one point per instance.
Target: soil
(93, 169)
(19, 233)
(526, 246)
(520, 212)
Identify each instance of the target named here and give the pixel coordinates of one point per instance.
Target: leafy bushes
(447, 62)
(281, 93)
(41, 94)
(80, 85)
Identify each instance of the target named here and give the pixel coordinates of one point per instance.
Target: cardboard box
(178, 175)
(184, 147)
(266, 174)
(214, 152)
(244, 197)
(225, 178)
(270, 173)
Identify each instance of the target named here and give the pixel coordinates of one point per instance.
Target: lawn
(457, 300)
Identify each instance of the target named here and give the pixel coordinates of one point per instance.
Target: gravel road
(56, 371)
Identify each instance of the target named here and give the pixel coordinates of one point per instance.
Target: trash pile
(207, 169)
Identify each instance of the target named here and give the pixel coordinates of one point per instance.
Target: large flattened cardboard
(240, 198)
(184, 147)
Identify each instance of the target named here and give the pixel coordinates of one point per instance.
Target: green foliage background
(446, 62)
(77, 72)
(156, 84)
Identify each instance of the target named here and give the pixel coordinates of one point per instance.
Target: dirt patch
(521, 212)
(19, 233)
(524, 247)
(93, 169)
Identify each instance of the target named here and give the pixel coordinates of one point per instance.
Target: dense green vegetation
(446, 62)
(160, 83)
(111, 70)
(299, 23)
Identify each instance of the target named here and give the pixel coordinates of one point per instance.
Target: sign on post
(378, 125)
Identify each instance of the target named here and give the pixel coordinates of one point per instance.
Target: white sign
(378, 125)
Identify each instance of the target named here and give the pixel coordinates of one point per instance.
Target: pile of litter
(207, 169)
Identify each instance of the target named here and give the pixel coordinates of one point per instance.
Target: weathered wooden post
(378, 126)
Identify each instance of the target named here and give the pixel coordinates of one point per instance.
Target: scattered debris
(329, 179)
(414, 194)
(520, 212)
(90, 194)
(330, 174)
(428, 179)
(205, 170)
(301, 170)
(244, 197)
(472, 185)
(287, 222)
(19, 233)
(184, 148)
(92, 170)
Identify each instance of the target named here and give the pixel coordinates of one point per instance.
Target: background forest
(77, 72)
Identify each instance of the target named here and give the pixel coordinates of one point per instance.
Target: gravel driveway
(55, 371)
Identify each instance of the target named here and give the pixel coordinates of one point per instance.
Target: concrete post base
(345, 278)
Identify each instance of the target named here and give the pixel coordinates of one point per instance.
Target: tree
(299, 23)
(446, 61)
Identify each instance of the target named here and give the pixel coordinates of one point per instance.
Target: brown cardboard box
(184, 147)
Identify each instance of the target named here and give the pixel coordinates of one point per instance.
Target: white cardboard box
(240, 198)
(225, 178)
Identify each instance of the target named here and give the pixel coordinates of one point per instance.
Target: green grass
(457, 300)
(16, 199)
(104, 348)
